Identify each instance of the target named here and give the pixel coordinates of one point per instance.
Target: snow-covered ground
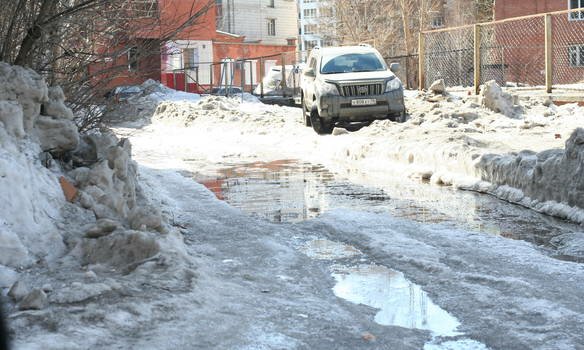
(168, 265)
(452, 141)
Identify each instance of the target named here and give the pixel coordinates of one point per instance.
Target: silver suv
(349, 87)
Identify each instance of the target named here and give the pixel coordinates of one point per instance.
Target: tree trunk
(33, 34)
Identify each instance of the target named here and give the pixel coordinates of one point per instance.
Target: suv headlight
(393, 84)
(328, 89)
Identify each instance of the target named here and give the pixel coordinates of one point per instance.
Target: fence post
(261, 76)
(283, 76)
(477, 59)
(421, 61)
(548, 54)
(198, 83)
(211, 76)
(242, 79)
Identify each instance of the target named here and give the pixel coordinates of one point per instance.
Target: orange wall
(176, 12)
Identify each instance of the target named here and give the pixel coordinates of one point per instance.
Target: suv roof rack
(364, 45)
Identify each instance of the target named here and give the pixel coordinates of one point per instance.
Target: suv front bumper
(339, 108)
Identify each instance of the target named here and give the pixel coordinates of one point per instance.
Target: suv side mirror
(309, 72)
(394, 67)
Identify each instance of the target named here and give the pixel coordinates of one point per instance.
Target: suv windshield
(351, 62)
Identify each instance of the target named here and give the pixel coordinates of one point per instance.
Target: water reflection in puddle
(400, 302)
(293, 191)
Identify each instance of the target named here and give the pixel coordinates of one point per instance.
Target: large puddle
(399, 301)
(292, 191)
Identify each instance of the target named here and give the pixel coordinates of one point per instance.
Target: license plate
(364, 102)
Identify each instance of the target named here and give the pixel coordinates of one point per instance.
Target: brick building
(521, 43)
(187, 56)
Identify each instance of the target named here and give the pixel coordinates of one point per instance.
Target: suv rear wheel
(318, 124)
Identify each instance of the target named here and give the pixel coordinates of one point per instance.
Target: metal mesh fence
(408, 69)
(449, 56)
(512, 52)
(568, 49)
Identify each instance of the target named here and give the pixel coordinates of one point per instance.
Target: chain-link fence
(568, 48)
(408, 71)
(449, 56)
(539, 51)
(262, 76)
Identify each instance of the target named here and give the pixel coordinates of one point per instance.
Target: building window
(309, 13)
(310, 44)
(191, 58)
(437, 22)
(576, 4)
(271, 3)
(272, 27)
(310, 28)
(133, 59)
(576, 55)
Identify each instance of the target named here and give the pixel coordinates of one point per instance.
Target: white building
(315, 22)
(269, 21)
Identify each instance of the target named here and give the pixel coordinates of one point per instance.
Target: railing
(262, 76)
(543, 51)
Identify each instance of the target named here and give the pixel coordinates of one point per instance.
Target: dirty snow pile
(142, 105)
(73, 216)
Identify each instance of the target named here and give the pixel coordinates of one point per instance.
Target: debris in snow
(69, 190)
(438, 87)
(18, 291)
(368, 337)
(47, 288)
(35, 300)
(495, 99)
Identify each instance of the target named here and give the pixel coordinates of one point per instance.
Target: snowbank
(141, 106)
(31, 195)
(70, 200)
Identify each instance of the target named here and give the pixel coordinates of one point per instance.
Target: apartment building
(189, 57)
(271, 22)
(315, 19)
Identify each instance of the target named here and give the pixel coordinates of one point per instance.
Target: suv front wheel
(305, 112)
(319, 125)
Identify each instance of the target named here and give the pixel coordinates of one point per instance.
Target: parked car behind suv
(349, 87)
